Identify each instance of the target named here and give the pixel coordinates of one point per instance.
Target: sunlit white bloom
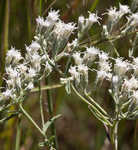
(7, 94)
(13, 74)
(10, 83)
(123, 9)
(105, 66)
(63, 30)
(22, 68)
(131, 84)
(31, 73)
(120, 67)
(82, 69)
(77, 58)
(36, 61)
(35, 46)
(113, 14)
(74, 73)
(103, 57)
(101, 75)
(91, 53)
(13, 55)
(53, 16)
(40, 21)
(133, 19)
(93, 18)
(43, 23)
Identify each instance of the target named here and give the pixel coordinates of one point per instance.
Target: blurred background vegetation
(77, 129)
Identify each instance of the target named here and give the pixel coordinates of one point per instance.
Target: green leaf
(49, 122)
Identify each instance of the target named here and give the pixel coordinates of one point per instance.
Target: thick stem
(41, 105)
(116, 135)
(31, 120)
(18, 134)
(40, 7)
(50, 109)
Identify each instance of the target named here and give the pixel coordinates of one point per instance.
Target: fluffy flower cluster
(51, 37)
(51, 43)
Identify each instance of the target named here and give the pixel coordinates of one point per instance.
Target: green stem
(31, 120)
(50, 108)
(18, 134)
(40, 7)
(97, 105)
(41, 105)
(115, 135)
(98, 114)
(95, 3)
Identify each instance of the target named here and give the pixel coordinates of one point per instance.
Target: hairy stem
(18, 134)
(50, 109)
(31, 120)
(41, 105)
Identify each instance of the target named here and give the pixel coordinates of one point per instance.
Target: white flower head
(40, 21)
(13, 55)
(91, 53)
(77, 58)
(133, 19)
(101, 75)
(105, 66)
(12, 72)
(121, 67)
(6, 94)
(113, 14)
(93, 18)
(103, 57)
(131, 84)
(31, 73)
(63, 30)
(44, 23)
(22, 67)
(74, 73)
(36, 61)
(53, 16)
(34, 46)
(83, 70)
(123, 9)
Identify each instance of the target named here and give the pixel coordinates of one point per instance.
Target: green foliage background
(77, 129)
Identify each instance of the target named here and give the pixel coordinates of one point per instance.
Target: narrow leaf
(49, 122)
